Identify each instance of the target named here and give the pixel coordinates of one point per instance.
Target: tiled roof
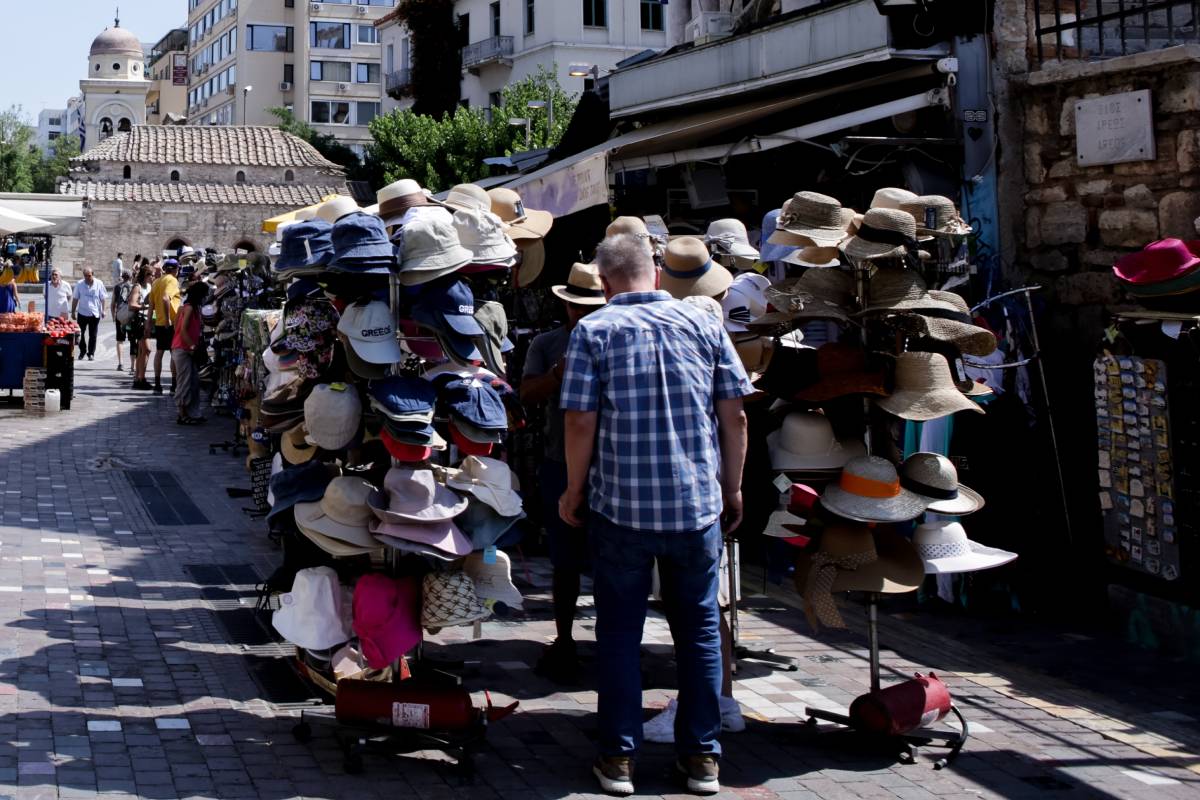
(231, 145)
(283, 195)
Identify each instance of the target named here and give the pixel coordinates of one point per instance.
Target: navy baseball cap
(476, 402)
(303, 484)
(401, 396)
(448, 307)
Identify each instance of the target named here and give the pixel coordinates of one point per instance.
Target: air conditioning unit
(708, 26)
(343, 87)
(362, 11)
(285, 86)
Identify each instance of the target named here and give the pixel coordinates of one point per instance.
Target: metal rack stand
(765, 655)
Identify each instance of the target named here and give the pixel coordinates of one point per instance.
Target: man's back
(164, 294)
(653, 370)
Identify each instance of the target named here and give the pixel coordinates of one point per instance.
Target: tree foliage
(441, 152)
(18, 153)
(436, 61)
(55, 164)
(326, 145)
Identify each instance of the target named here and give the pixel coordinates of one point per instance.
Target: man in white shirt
(58, 301)
(117, 267)
(87, 306)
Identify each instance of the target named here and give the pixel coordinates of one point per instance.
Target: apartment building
(506, 40)
(167, 69)
(50, 125)
(320, 59)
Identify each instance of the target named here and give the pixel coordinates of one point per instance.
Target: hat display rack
(380, 395)
(849, 543)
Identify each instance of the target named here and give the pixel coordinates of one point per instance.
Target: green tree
(55, 164)
(436, 60)
(441, 152)
(18, 155)
(328, 146)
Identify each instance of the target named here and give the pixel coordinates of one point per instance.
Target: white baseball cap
(370, 330)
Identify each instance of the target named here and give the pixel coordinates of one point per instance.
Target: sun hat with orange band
(869, 490)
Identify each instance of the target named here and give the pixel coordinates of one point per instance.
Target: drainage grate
(164, 498)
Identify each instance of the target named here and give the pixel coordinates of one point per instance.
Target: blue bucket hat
(361, 244)
(303, 484)
(305, 245)
(772, 252)
(448, 308)
(484, 527)
(476, 402)
(398, 396)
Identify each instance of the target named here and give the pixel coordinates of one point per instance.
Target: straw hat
(936, 216)
(295, 447)
(583, 287)
(806, 442)
(903, 290)
(689, 270)
(852, 557)
(814, 257)
(891, 197)
(522, 222)
(945, 549)
(884, 233)
(395, 199)
(468, 197)
(449, 599)
(817, 294)
(533, 260)
(333, 210)
(729, 237)
(869, 490)
(843, 371)
(816, 219)
(934, 477)
(925, 389)
(634, 226)
(954, 328)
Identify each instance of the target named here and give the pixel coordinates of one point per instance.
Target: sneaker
(120, 368)
(731, 716)
(559, 664)
(615, 774)
(661, 727)
(701, 772)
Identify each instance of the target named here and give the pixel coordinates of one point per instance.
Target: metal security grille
(1093, 30)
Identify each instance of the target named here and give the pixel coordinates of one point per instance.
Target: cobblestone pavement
(117, 674)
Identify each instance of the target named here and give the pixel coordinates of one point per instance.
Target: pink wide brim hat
(1159, 261)
(387, 617)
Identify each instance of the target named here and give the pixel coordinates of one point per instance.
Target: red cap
(803, 499)
(404, 452)
(466, 446)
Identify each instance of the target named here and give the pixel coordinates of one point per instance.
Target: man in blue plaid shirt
(655, 431)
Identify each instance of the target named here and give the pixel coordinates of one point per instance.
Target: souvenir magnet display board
(1137, 488)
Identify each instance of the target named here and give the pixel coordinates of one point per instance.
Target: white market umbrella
(16, 222)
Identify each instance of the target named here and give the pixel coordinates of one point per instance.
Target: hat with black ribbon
(884, 233)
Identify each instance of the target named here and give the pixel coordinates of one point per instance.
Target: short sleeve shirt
(164, 299)
(653, 369)
(544, 352)
(91, 299)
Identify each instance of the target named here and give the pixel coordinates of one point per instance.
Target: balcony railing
(488, 51)
(1095, 30)
(397, 82)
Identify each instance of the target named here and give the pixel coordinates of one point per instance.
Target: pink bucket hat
(387, 617)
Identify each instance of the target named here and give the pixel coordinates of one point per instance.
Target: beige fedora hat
(635, 226)
(523, 223)
(688, 269)
(925, 389)
(583, 286)
(869, 490)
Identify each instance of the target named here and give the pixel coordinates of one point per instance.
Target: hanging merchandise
(869, 490)
(386, 617)
(332, 413)
(925, 389)
(491, 482)
(313, 614)
(339, 522)
(810, 219)
(945, 549)
(448, 600)
(806, 442)
(412, 495)
(491, 571)
(688, 270)
(842, 370)
(934, 477)
(729, 238)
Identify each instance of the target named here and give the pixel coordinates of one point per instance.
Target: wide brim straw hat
(892, 197)
(935, 478)
(884, 233)
(945, 549)
(583, 286)
(947, 222)
(533, 261)
(897, 568)
(869, 490)
(688, 270)
(925, 389)
(817, 294)
(295, 449)
(522, 222)
(814, 257)
(812, 216)
(892, 290)
(950, 327)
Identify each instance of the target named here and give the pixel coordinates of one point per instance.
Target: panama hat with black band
(583, 287)
(884, 233)
(688, 270)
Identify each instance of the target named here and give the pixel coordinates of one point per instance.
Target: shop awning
(271, 225)
(581, 181)
(65, 212)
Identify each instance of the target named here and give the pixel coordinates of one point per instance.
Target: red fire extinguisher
(915, 703)
(409, 704)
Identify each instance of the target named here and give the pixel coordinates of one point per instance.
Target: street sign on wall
(179, 69)
(1114, 129)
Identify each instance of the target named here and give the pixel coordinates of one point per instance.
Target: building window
(289, 3)
(529, 16)
(652, 15)
(329, 71)
(116, 67)
(240, 177)
(127, 173)
(495, 17)
(367, 34)
(464, 30)
(289, 176)
(366, 113)
(175, 176)
(495, 100)
(595, 13)
(289, 73)
(329, 35)
(270, 38)
(330, 112)
(367, 73)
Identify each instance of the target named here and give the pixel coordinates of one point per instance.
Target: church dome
(116, 41)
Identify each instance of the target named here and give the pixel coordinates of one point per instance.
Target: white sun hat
(945, 549)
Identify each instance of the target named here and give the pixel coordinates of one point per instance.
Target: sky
(45, 51)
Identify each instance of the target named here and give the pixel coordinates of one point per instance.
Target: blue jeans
(622, 562)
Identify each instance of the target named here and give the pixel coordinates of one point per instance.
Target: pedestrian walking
(139, 308)
(58, 300)
(184, 348)
(164, 305)
(656, 435)
(87, 307)
(118, 266)
(542, 382)
(120, 315)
